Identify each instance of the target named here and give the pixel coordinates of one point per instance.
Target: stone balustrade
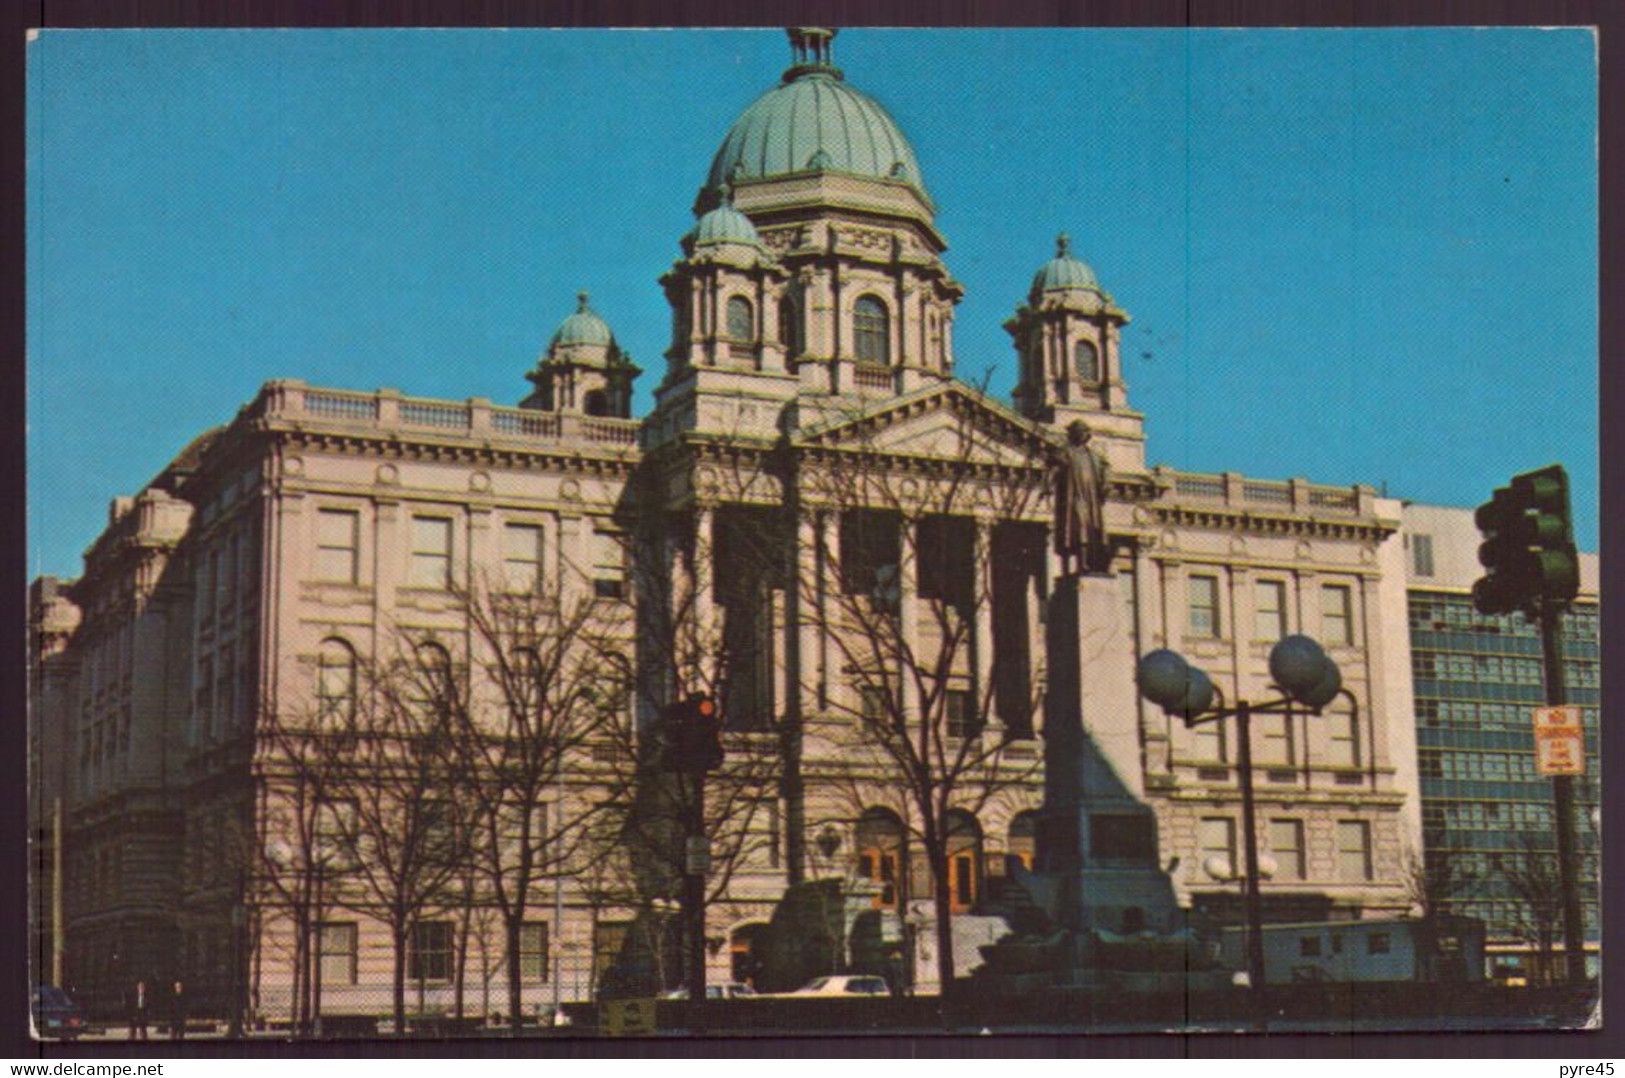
(1289, 496)
(387, 409)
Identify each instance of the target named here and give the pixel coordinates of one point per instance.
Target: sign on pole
(1559, 741)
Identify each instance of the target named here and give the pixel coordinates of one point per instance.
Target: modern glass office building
(1487, 819)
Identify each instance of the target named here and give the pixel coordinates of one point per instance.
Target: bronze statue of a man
(1080, 505)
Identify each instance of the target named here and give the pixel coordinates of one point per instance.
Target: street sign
(699, 855)
(1559, 741)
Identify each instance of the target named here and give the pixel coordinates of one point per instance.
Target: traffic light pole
(694, 899)
(1551, 646)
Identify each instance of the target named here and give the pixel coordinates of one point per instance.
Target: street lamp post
(1306, 676)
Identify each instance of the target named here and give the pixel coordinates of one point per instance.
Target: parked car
(56, 1014)
(844, 984)
(727, 990)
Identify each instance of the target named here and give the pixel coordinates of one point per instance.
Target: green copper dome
(814, 121)
(583, 327)
(1063, 272)
(726, 225)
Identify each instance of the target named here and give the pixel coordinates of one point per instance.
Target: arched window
(881, 856)
(790, 327)
(596, 402)
(1019, 846)
(335, 683)
(871, 331)
(964, 860)
(741, 319)
(1087, 359)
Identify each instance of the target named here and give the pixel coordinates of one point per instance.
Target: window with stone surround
(522, 558)
(741, 320)
(1087, 359)
(1216, 838)
(337, 545)
(1270, 623)
(1286, 845)
(1336, 615)
(431, 553)
(871, 331)
(1354, 850)
(1203, 595)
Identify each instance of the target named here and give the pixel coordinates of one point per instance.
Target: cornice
(574, 458)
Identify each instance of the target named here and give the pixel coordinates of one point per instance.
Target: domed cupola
(724, 226)
(1063, 273)
(583, 327)
(813, 122)
(1067, 337)
(584, 370)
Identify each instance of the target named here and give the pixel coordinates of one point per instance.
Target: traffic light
(691, 735)
(1528, 549)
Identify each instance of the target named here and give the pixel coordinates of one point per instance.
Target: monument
(1103, 912)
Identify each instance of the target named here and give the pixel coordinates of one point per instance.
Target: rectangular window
(1286, 844)
(429, 958)
(947, 559)
(1203, 592)
(963, 721)
(1354, 849)
(335, 835)
(871, 553)
(1309, 946)
(1377, 943)
(1422, 555)
(431, 552)
(608, 939)
(1276, 747)
(338, 534)
(1336, 615)
(1343, 733)
(1209, 743)
(608, 565)
(522, 558)
(1271, 621)
(533, 951)
(338, 952)
(1216, 838)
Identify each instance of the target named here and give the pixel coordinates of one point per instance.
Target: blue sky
(1354, 256)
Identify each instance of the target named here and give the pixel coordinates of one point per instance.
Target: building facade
(817, 522)
(1487, 821)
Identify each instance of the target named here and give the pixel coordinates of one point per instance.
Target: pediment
(949, 422)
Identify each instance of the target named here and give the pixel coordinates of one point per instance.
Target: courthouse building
(817, 521)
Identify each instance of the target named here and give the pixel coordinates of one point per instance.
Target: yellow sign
(629, 1017)
(1559, 741)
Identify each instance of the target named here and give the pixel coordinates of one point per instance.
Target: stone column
(908, 612)
(982, 630)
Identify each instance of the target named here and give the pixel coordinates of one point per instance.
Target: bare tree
(1433, 879)
(1531, 873)
(906, 605)
(298, 863)
(545, 681)
(686, 647)
(399, 833)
